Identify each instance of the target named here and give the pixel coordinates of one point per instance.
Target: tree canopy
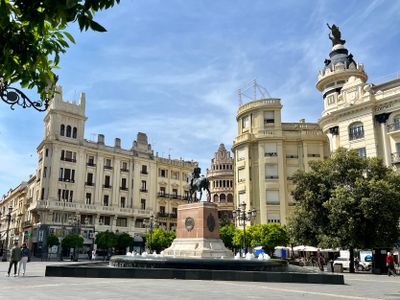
(346, 201)
(33, 35)
(106, 240)
(159, 239)
(124, 240)
(52, 240)
(72, 240)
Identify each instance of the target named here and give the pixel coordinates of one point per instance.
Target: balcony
(106, 186)
(393, 127)
(90, 164)
(313, 155)
(66, 180)
(272, 177)
(68, 159)
(162, 214)
(173, 215)
(89, 183)
(144, 172)
(270, 154)
(143, 190)
(123, 188)
(291, 156)
(124, 170)
(108, 167)
(395, 157)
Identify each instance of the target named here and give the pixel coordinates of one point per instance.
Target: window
(123, 184)
(174, 212)
(42, 194)
(272, 197)
(88, 198)
(222, 198)
(175, 193)
(269, 117)
(68, 156)
(362, 152)
(245, 122)
(122, 222)
(216, 198)
(105, 220)
(163, 173)
(107, 163)
(68, 131)
(74, 133)
(144, 169)
(291, 170)
(143, 188)
(62, 129)
(107, 181)
(106, 200)
(230, 198)
(89, 179)
(124, 166)
(162, 191)
(186, 193)
(241, 154)
(175, 175)
(162, 210)
(90, 161)
(44, 172)
(47, 152)
(270, 149)
(142, 203)
(271, 171)
(241, 175)
(67, 175)
(356, 131)
(123, 202)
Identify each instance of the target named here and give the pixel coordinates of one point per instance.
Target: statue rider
(195, 174)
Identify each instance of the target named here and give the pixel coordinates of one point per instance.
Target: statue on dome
(336, 35)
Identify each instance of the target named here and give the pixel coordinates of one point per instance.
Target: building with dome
(357, 114)
(220, 176)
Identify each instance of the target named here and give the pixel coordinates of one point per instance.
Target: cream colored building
(92, 186)
(357, 114)
(267, 154)
(220, 176)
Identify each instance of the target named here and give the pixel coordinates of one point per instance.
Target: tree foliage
(72, 240)
(33, 36)
(159, 239)
(106, 240)
(227, 232)
(346, 201)
(52, 240)
(123, 240)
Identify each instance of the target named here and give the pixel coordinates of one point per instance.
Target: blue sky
(172, 69)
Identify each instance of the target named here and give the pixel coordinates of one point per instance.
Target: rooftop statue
(336, 35)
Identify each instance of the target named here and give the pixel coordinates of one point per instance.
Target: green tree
(124, 240)
(106, 240)
(52, 240)
(33, 36)
(159, 239)
(346, 201)
(227, 232)
(268, 236)
(72, 240)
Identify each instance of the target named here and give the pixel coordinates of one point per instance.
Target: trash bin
(338, 268)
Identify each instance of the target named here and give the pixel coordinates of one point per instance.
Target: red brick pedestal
(197, 233)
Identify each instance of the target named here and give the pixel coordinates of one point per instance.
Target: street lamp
(150, 224)
(243, 217)
(4, 258)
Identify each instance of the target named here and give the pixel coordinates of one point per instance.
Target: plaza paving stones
(36, 286)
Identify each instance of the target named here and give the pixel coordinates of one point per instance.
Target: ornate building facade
(220, 176)
(357, 114)
(92, 187)
(267, 154)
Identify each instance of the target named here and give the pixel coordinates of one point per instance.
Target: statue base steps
(198, 247)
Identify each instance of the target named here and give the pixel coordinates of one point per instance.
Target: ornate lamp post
(14, 96)
(243, 217)
(8, 228)
(150, 224)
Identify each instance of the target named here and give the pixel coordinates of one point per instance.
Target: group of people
(18, 255)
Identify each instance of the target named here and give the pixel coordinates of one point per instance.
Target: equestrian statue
(198, 183)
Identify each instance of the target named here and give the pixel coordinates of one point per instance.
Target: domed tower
(342, 82)
(221, 182)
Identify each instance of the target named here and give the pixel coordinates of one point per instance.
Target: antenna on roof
(259, 92)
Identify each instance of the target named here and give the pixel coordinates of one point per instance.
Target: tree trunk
(351, 259)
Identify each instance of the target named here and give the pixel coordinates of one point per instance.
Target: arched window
(230, 198)
(68, 132)
(222, 198)
(62, 130)
(215, 198)
(356, 131)
(74, 132)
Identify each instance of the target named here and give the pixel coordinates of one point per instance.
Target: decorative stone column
(382, 118)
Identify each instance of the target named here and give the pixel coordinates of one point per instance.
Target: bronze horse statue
(198, 183)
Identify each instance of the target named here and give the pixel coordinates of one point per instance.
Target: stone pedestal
(197, 232)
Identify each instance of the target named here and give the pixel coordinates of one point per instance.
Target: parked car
(344, 261)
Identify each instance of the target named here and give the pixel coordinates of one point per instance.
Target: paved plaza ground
(36, 286)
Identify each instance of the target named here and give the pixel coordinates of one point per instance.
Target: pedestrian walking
(390, 264)
(94, 254)
(24, 259)
(14, 259)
